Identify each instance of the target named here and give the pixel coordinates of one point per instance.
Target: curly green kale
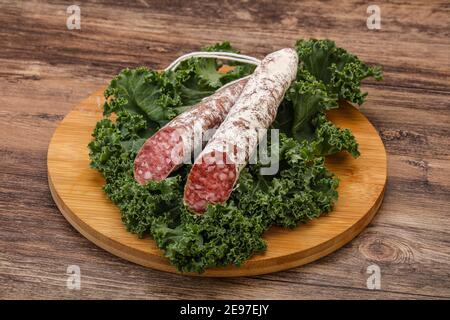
(339, 70)
(330, 139)
(326, 74)
(143, 100)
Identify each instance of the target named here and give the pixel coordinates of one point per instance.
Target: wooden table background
(45, 69)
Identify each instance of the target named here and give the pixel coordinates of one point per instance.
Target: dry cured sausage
(165, 151)
(216, 170)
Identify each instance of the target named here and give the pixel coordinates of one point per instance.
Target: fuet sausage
(164, 152)
(217, 168)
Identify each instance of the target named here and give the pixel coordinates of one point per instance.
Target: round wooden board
(77, 191)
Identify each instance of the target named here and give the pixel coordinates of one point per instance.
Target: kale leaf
(339, 70)
(143, 100)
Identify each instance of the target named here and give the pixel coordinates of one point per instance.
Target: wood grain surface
(44, 65)
(77, 191)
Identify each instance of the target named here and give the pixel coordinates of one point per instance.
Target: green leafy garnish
(303, 189)
(341, 71)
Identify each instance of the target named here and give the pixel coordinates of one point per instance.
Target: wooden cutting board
(77, 191)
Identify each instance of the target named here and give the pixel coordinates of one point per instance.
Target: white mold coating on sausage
(237, 136)
(256, 107)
